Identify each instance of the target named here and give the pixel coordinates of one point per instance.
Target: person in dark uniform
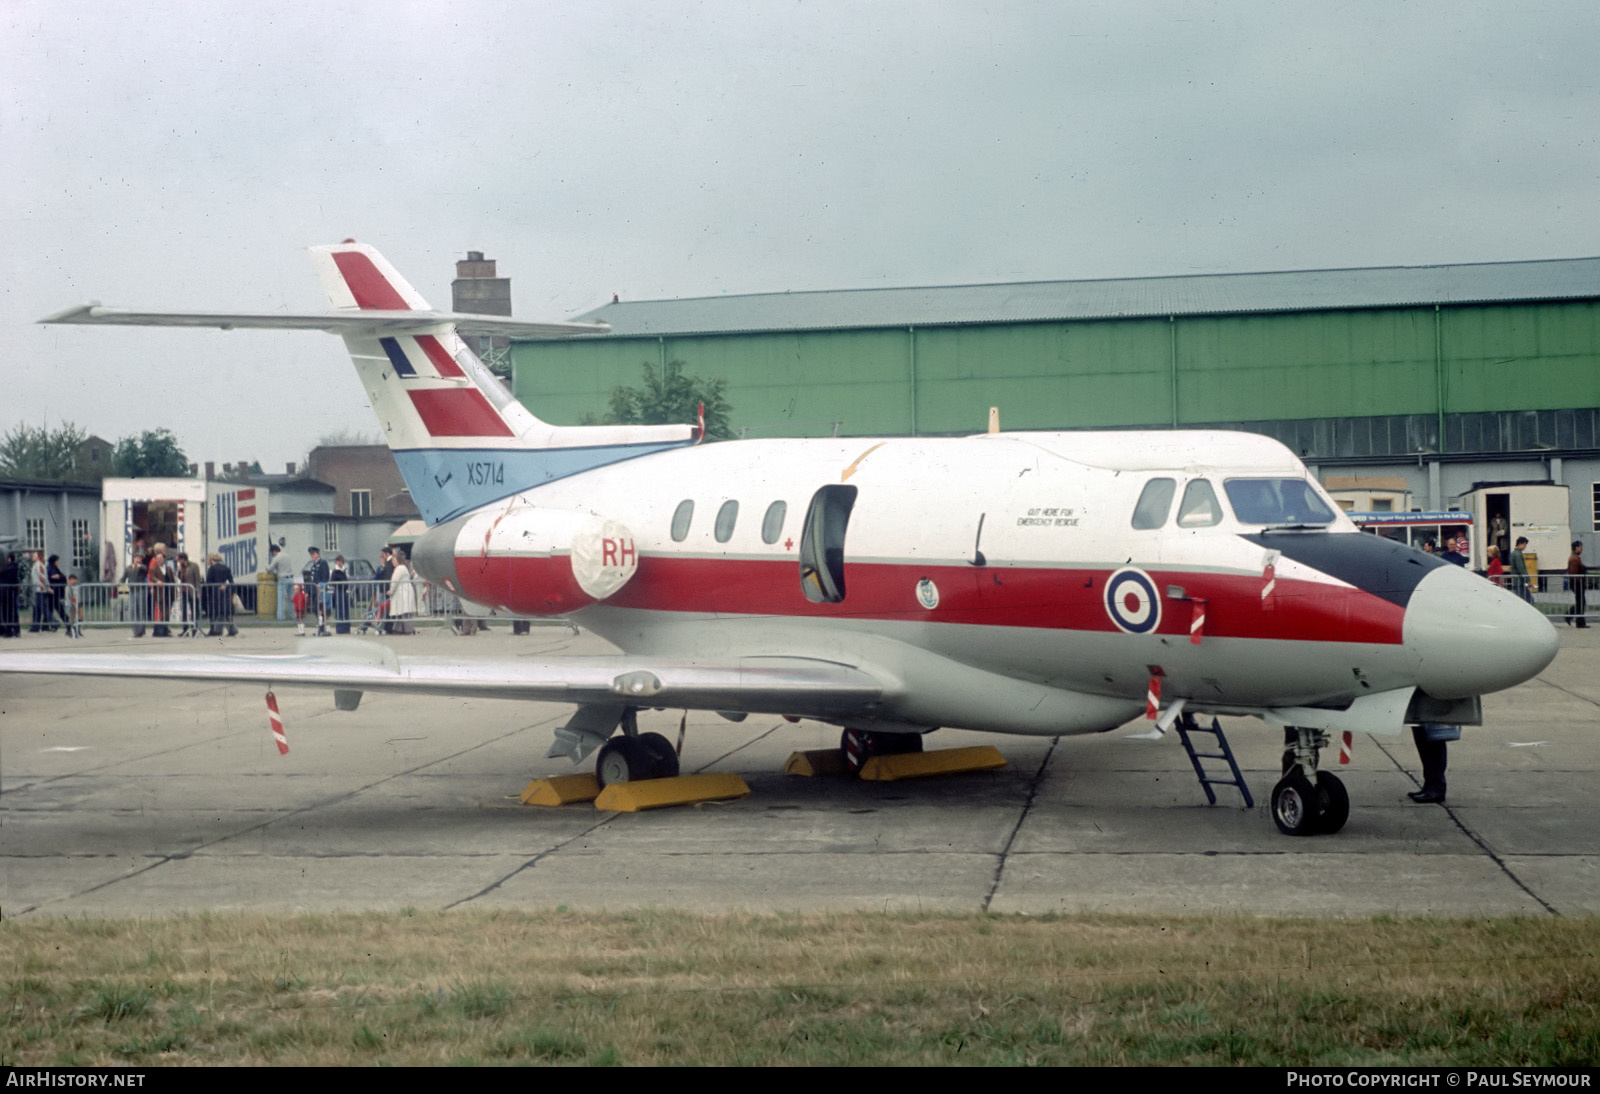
(339, 596)
(58, 592)
(1432, 741)
(315, 579)
(1575, 577)
(1519, 571)
(10, 593)
(219, 597)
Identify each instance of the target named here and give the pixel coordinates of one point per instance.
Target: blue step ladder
(1186, 726)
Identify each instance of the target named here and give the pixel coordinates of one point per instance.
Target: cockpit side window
(1155, 502)
(1199, 508)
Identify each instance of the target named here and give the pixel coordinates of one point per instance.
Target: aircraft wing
(770, 685)
(369, 322)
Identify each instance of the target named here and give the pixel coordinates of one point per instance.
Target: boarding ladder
(1188, 725)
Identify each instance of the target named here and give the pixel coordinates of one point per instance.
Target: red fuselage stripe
(1053, 599)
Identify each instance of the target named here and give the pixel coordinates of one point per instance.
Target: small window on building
(681, 516)
(330, 536)
(361, 503)
(1383, 505)
(35, 533)
(1155, 502)
(727, 517)
(772, 523)
(1199, 508)
(82, 546)
(1594, 493)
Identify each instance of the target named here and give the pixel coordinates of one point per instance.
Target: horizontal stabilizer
(370, 323)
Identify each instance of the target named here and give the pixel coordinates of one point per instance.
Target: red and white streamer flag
(1345, 744)
(1152, 699)
(1197, 623)
(277, 724)
(1269, 577)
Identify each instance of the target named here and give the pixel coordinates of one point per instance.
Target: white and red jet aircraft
(1026, 583)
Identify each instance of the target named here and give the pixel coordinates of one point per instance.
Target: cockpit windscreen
(1277, 501)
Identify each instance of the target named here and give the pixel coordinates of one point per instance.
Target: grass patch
(651, 988)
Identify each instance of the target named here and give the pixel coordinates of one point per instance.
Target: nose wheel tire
(1295, 806)
(1301, 809)
(1335, 802)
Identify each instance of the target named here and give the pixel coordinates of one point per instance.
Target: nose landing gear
(1308, 802)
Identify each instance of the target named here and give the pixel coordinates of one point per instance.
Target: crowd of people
(39, 583)
(165, 593)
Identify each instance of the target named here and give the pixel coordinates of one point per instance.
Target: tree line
(37, 452)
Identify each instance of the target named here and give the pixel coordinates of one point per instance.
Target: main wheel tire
(1335, 802)
(623, 760)
(1296, 806)
(895, 744)
(860, 745)
(662, 752)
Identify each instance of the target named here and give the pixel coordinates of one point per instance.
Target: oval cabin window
(727, 517)
(772, 523)
(681, 517)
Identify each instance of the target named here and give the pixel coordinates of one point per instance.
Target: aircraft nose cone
(1471, 637)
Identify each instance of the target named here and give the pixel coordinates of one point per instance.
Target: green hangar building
(1442, 376)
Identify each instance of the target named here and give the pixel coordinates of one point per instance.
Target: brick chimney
(291, 467)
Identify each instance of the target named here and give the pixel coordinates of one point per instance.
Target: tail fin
(459, 436)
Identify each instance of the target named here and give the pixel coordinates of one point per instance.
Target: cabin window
(1199, 508)
(1155, 502)
(681, 516)
(772, 523)
(1276, 501)
(822, 544)
(727, 517)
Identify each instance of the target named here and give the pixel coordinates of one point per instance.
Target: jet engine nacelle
(528, 559)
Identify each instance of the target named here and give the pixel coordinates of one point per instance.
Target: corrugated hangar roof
(1120, 298)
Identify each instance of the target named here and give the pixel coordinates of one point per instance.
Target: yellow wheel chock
(561, 790)
(632, 797)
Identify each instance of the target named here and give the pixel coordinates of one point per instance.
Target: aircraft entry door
(822, 544)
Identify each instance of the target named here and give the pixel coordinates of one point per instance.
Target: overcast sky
(182, 155)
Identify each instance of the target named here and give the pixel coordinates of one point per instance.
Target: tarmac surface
(126, 797)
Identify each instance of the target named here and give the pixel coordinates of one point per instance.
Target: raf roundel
(1131, 601)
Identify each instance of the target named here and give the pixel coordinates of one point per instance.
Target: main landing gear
(860, 745)
(1308, 802)
(634, 756)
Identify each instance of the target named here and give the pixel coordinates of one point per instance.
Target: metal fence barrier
(1556, 594)
(349, 607)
